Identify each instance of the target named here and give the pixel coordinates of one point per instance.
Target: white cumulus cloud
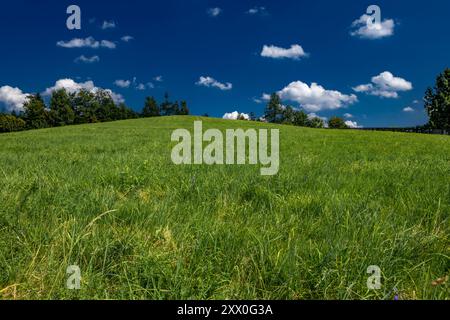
(12, 98)
(408, 109)
(363, 28)
(236, 115)
(122, 83)
(211, 82)
(385, 85)
(294, 52)
(89, 42)
(315, 98)
(352, 124)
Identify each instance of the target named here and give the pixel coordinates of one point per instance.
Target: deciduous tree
(437, 102)
(337, 123)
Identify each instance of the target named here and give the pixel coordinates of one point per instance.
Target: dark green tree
(123, 112)
(151, 108)
(274, 112)
(174, 109)
(84, 105)
(104, 106)
(35, 114)
(437, 102)
(166, 106)
(184, 111)
(300, 119)
(337, 123)
(61, 111)
(288, 115)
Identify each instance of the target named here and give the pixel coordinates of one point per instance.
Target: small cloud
(214, 12)
(236, 116)
(89, 42)
(408, 109)
(108, 25)
(122, 83)
(258, 11)
(84, 59)
(134, 83)
(158, 79)
(211, 82)
(142, 86)
(348, 115)
(385, 85)
(264, 98)
(294, 52)
(108, 44)
(365, 28)
(127, 38)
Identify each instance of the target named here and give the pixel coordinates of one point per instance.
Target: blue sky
(371, 76)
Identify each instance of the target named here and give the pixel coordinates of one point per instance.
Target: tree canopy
(437, 102)
(337, 123)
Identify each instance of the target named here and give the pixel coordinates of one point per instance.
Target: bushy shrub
(337, 123)
(10, 123)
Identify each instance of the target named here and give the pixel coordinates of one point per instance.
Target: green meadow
(107, 198)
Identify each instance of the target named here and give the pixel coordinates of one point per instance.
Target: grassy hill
(106, 197)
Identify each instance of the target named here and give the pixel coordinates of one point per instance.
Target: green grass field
(106, 197)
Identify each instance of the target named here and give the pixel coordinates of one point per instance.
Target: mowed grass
(106, 197)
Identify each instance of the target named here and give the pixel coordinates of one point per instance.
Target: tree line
(81, 107)
(437, 106)
(276, 112)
